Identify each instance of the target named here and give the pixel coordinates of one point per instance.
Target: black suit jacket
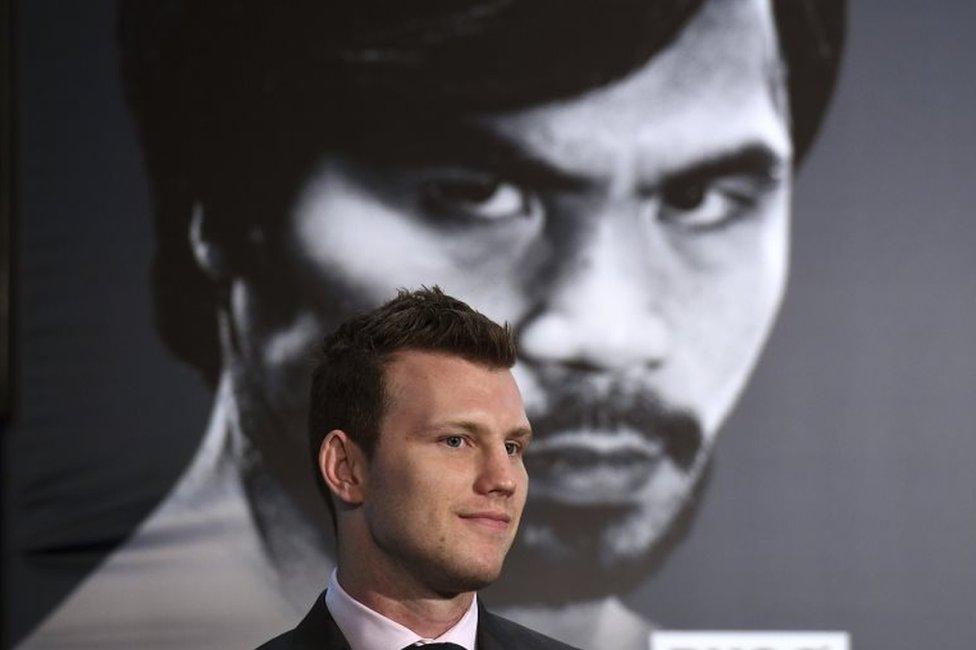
(318, 631)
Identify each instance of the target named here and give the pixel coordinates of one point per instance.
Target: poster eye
(702, 204)
(486, 198)
(684, 194)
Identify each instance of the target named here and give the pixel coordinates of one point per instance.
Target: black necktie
(435, 646)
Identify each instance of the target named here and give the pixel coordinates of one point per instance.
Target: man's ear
(210, 254)
(219, 251)
(343, 467)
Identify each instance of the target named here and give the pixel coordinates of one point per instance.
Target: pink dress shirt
(365, 629)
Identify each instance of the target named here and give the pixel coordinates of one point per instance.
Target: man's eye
(703, 203)
(684, 195)
(513, 448)
(486, 198)
(454, 441)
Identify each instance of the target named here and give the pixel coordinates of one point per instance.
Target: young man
(417, 432)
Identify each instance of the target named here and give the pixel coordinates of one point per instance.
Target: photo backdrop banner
(733, 236)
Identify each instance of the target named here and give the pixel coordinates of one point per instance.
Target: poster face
(743, 350)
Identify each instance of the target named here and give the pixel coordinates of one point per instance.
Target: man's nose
(603, 307)
(497, 474)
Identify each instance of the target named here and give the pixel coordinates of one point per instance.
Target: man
(418, 433)
(612, 180)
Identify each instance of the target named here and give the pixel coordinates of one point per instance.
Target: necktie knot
(435, 646)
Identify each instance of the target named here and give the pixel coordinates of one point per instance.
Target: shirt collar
(365, 629)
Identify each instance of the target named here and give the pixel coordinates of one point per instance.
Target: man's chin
(464, 580)
(569, 553)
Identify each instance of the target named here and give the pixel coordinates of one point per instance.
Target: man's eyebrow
(754, 158)
(472, 146)
(467, 425)
(474, 427)
(481, 149)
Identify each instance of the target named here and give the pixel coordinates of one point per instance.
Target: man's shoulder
(195, 563)
(497, 632)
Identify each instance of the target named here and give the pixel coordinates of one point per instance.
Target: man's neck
(298, 549)
(427, 614)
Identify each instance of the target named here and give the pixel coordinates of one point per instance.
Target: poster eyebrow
(756, 158)
(474, 146)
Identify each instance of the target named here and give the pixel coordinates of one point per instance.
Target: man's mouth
(591, 466)
(489, 519)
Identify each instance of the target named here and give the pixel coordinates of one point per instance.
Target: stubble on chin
(448, 569)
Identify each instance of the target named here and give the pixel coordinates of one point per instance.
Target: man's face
(636, 238)
(446, 485)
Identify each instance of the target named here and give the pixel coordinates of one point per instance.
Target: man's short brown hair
(348, 389)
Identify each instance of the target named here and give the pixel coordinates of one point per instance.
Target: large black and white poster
(733, 236)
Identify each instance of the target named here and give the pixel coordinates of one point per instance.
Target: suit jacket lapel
(318, 631)
(490, 636)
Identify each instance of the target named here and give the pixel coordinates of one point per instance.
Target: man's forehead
(434, 371)
(444, 386)
(722, 74)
